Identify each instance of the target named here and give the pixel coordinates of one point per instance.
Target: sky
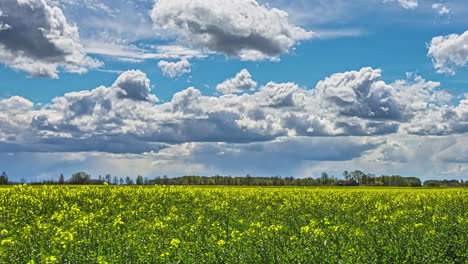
(233, 87)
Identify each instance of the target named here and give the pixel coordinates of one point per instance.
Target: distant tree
(445, 183)
(358, 176)
(121, 181)
(108, 178)
(116, 180)
(61, 179)
(3, 178)
(156, 180)
(347, 175)
(128, 181)
(365, 179)
(351, 183)
(414, 182)
(139, 180)
(80, 178)
(325, 179)
(165, 180)
(249, 179)
(432, 183)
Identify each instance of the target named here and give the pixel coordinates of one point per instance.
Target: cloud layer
(36, 38)
(241, 28)
(124, 118)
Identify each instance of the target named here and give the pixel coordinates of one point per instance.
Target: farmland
(169, 224)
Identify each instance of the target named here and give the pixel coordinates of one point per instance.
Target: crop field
(167, 224)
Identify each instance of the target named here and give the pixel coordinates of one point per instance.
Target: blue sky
(288, 88)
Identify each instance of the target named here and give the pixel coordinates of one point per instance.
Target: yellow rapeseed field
(167, 224)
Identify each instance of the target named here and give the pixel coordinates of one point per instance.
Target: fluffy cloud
(441, 9)
(124, 118)
(134, 85)
(449, 52)
(15, 115)
(95, 120)
(15, 105)
(278, 95)
(442, 120)
(360, 94)
(36, 38)
(175, 69)
(242, 82)
(407, 4)
(242, 28)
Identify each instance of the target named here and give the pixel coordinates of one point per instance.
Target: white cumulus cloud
(135, 85)
(242, 82)
(36, 38)
(242, 28)
(449, 52)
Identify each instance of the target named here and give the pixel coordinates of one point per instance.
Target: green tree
(80, 178)
(61, 179)
(347, 175)
(357, 175)
(3, 178)
(108, 178)
(128, 181)
(139, 180)
(325, 179)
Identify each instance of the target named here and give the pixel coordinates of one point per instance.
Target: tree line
(354, 178)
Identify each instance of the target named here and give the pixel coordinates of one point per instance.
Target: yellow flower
(221, 242)
(101, 260)
(51, 259)
(175, 242)
(4, 232)
(8, 241)
(118, 221)
(318, 232)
